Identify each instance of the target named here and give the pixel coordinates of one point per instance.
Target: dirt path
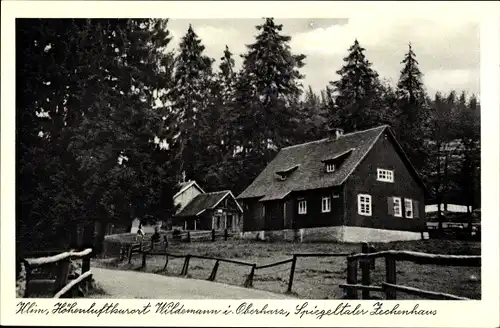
(132, 284)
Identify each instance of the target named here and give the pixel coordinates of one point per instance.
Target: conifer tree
(191, 97)
(413, 118)
(314, 116)
(356, 92)
(268, 93)
(227, 89)
(100, 161)
(267, 89)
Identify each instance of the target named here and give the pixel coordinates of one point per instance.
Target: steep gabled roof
(311, 174)
(203, 202)
(186, 185)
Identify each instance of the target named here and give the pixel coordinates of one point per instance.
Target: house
(347, 187)
(198, 210)
(188, 191)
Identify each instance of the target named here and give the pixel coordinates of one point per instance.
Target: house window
(385, 175)
(408, 208)
(330, 167)
(302, 207)
(326, 204)
(397, 207)
(365, 204)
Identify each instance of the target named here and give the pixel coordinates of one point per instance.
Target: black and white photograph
(262, 158)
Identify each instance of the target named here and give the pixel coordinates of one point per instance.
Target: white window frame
(330, 168)
(326, 204)
(364, 204)
(396, 204)
(302, 206)
(385, 175)
(410, 207)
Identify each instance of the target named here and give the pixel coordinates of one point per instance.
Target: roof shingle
(311, 173)
(203, 202)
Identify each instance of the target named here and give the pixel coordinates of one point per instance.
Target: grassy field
(316, 278)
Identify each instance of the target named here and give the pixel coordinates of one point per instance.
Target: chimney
(335, 133)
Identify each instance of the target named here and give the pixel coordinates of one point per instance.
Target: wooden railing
(63, 287)
(366, 261)
(253, 266)
(147, 246)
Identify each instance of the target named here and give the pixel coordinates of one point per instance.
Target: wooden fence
(366, 261)
(63, 287)
(147, 246)
(253, 266)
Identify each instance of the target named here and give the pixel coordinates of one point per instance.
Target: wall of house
(229, 215)
(364, 181)
(331, 234)
(272, 217)
(253, 218)
(314, 216)
(186, 196)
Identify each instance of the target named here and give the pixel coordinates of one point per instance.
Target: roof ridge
(305, 143)
(343, 135)
(370, 129)
(217, 192)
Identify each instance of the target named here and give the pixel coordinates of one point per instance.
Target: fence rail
(253, 266)
(366, 258)
(63, 286)
(147, 245)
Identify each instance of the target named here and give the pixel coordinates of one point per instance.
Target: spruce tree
(356, 92)
(267, 89)
(414, 112)
(268, 93)
(190, 97)
(313, 116)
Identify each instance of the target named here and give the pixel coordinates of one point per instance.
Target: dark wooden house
(348, 187)
(214, 210)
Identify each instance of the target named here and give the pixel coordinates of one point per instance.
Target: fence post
(130, 253)
(27, 269)
(166, 262)
(213, 234)
(214, 271)
(292, 272)
(249, 281)
(185, 266)
(188, 237)
(85, 268)
(225, 234)
(62, 275)
(352, 277)
(390, 276)
(143, 265)
(365, 272)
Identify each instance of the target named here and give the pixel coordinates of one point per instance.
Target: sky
(447, 49)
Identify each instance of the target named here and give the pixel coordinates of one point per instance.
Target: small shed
(214, 210)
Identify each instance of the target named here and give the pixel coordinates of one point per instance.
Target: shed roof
(206, 201)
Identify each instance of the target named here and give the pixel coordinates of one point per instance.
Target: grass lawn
(315, 278)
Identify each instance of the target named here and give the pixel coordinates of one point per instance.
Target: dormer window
(283, 174)
(333, 162)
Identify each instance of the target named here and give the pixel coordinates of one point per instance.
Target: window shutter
(415, 209)
(390, 205)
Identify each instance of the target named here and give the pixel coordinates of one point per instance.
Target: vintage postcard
(250, 163)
